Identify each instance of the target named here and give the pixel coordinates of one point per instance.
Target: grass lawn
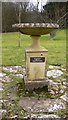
(12, 54)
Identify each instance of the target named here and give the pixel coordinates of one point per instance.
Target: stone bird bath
(35, 54)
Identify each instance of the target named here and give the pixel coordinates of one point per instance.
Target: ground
(16, 102)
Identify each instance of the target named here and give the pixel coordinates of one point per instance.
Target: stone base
(42, 107)
(30, 85)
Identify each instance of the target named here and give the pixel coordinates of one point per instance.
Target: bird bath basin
(35, 29)
(35, 54)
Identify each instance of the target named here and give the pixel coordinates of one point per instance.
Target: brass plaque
(37, 59)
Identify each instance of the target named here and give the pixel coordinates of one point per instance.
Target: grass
(13, 54)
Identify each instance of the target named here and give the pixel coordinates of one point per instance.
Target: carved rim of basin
(35, 29)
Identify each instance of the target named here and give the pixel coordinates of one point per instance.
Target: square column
(36, 65)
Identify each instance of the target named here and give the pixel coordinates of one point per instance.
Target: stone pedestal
(36, 64)
(35, 55)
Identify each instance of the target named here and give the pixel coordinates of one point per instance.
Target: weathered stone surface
(55, 87)
(1, 101)
(2, 113)
(57, 67)
(10, 69)
(1, 86)
(65, 96)
(43, 117)
(6, 79)
(63, 69)
(19, 75)
(13, 117)
(54, 73)
(54, 67)
(42, 105)
(2, 75)
(14, 69)
(65, 83)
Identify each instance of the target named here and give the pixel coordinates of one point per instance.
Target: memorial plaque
(37, 59)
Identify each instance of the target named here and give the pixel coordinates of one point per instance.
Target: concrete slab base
(33, 105)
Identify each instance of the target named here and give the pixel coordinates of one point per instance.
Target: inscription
(37, 59)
